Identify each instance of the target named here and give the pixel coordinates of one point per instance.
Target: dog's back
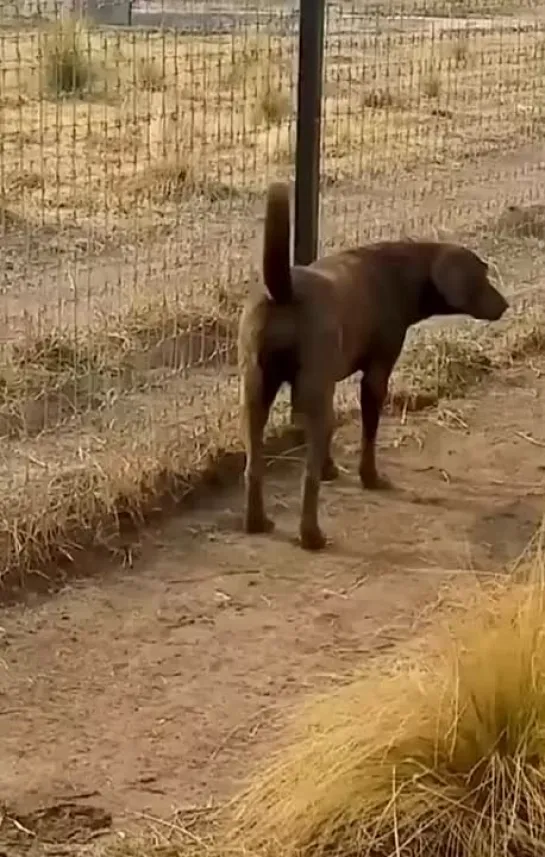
(382, 289)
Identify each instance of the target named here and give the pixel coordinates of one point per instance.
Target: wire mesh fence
(133, 161)
(430, 122)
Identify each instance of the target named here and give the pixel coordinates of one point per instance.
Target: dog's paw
(330, 471)
(374, 482)
(313, 540)
(257, 526)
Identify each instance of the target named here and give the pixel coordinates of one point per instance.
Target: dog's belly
(346, 370)
(355, 361)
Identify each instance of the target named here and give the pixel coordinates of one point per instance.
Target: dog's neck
(430, 303)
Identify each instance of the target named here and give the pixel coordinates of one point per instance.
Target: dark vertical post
(309, 114)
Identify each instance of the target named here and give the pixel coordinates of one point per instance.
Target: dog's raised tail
(276, 244)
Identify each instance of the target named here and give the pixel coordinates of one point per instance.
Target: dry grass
(68, 67)
(436, 368)
(442, 754)
(118, 103)
(107, 129)
(98, 481)
(116, 131)
(45, 381)
(434, 749)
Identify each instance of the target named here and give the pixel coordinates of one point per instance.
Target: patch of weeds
(170, 181)
(441, 750)
(431, 85)
(55, 354)
(149, 75)
(443, 367)
(381, 99)
(67, 58)
(460, 51)
(273, 107)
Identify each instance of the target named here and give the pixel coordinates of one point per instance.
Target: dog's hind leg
(330, 470)
(318, 416)
(297, 421)
(258, 393)
(373, 391)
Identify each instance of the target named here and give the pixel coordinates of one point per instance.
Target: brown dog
(343, 313)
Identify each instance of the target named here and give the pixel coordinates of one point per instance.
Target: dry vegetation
(130, 133)
(437, 748)
(126, 135)
(443, 753)
(139, 462)
(95, 120)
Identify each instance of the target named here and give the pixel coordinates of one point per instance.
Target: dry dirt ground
(152, 688)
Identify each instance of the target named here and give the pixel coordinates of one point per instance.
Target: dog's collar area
(431, 303)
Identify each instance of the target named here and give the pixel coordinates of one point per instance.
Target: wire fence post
(309, 115)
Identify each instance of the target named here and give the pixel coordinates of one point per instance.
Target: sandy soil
(155, 687)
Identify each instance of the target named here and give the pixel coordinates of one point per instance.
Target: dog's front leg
(255, 412)
(373, 391)
(318, 423)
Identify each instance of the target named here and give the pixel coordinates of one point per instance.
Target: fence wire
(431, 123)
(136, 142)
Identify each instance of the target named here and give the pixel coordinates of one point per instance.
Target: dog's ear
(453, 276)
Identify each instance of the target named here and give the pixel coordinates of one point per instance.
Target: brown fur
(343, 313)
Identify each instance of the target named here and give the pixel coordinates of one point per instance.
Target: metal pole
(307, 153)
(309, 114)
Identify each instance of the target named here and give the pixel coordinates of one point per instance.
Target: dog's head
(461, 279)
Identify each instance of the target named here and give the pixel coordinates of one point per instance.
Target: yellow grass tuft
(150, 75)
(431, 85)
(273, 106)
(381, 99)
(435, 368)
(68, 66)
(460, 50)
(444, 756)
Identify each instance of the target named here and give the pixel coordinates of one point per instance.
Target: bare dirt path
(155, 687)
